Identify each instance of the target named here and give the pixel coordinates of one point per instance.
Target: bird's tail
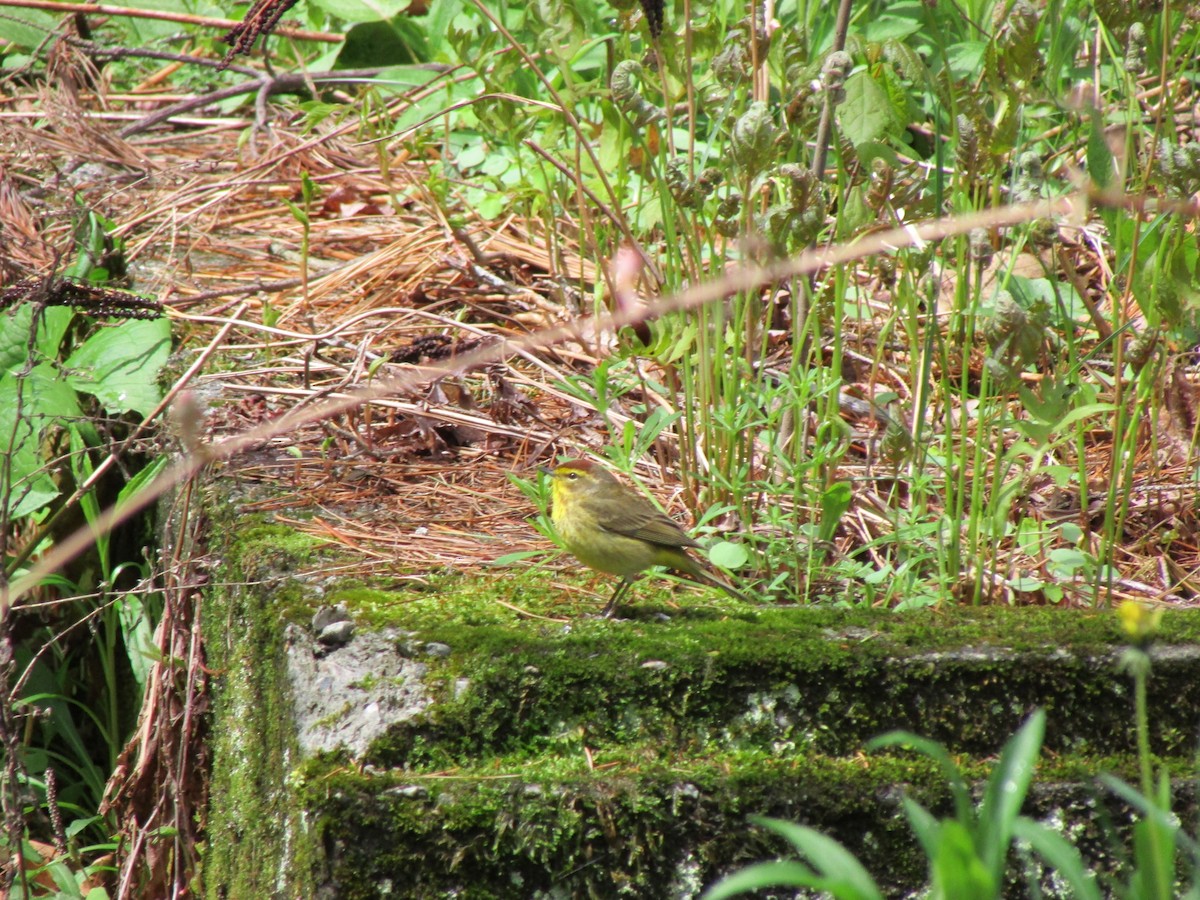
(706, 575)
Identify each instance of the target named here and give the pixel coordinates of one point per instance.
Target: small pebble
(327, 615)
(409, 792)
(336, 634)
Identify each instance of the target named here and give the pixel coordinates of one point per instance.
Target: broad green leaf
(866, 114)
(120, 366)
(967, 58)
(403, 78)
(901, 20)
(27, 28)
(370, 44)
(855, 213)
(474, 154)
(1067, 560)
(908, 62)
(363, 10)
(14, 335)
(728, 555)
(64, 880)
(1025, 584)
(43, 400)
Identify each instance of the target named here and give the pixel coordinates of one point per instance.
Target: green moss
(275, 548)
(570, 756)
(258, 845)
(530, 828)
(596, 834)
(819, 681)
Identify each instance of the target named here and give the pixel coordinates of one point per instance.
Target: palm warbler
(612, 528)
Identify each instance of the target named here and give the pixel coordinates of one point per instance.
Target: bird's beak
(549, 473)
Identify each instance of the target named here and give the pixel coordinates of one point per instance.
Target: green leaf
(1025, 583)
(137, 631)
(89, 502)
(1154, 861)
(728, 555)
(901, 20)
(964, 811)
(389, 43)
(834, 504)
(297, 213)
(761, 875)
(924, 825)
(1147, 806)
(1067, 561)
(1071, 533)
(120, 366)
(64, 880)
(1062, 856)
(1006, 790)
(14, 335)
(967, 58)
(855, 213)
(27, 28)
(509, 558)
(473, 154)
(908, 62)
(76, 826)
(363, 10)
(437, 22)
(841, 874)
(866, 113)
(141, 478)
(957, 871)
(45, 401)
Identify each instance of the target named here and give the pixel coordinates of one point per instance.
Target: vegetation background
(900, 295)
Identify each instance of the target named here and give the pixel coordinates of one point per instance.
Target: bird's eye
(572, 475)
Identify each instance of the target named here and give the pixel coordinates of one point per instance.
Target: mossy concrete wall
(495, 755)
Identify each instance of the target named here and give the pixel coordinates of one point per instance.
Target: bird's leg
(611, 606)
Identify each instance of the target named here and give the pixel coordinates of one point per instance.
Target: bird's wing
(644, 522)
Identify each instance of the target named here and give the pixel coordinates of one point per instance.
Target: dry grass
(389, 287)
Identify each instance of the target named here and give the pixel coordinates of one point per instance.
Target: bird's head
(577, 477)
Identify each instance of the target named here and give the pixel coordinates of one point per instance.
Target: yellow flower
(1138, 620)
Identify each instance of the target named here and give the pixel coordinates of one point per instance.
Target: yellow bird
(612, 528)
